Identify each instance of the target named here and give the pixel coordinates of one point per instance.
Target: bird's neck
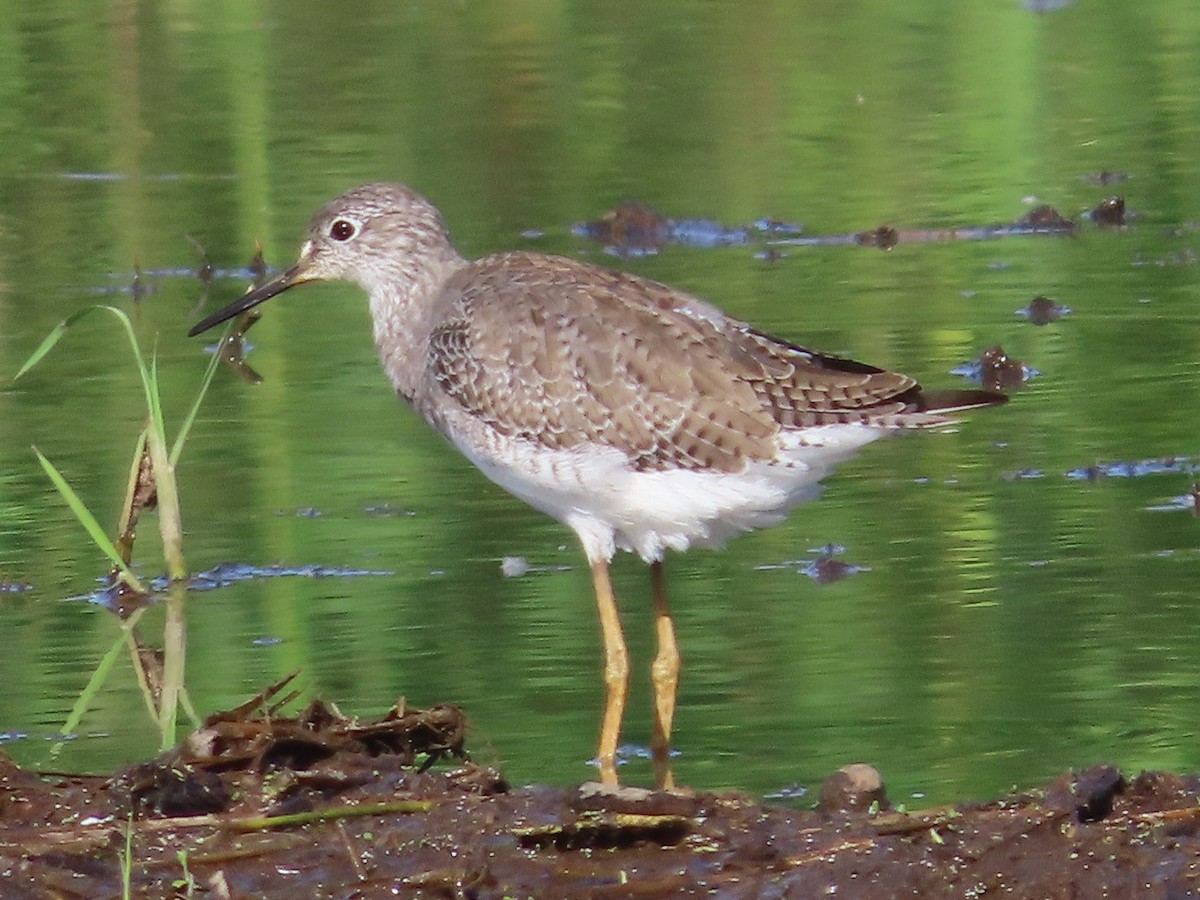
(402, 307)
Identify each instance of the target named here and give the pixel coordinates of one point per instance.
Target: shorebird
(639, 416)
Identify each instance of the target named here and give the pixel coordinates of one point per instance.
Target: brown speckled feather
(566, 354)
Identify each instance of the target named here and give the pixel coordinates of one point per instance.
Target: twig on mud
(903, 824)
(260, 823)
(85, 837)
(1166, 815)
(355, 862)
(824, 853)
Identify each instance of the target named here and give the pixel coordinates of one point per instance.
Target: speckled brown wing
(564, 354)
(804, 388)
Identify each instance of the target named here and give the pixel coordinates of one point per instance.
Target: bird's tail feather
(950, 401)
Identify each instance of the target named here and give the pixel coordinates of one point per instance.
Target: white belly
(612, 506)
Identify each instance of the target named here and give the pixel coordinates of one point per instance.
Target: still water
(1024, 603)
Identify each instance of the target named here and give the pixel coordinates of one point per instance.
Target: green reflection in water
(1008, 627)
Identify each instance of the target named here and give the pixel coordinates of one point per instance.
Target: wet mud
(254, 804)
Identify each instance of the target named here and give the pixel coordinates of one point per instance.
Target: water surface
(1010, 620)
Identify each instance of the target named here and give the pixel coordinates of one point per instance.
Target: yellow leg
(664, 672)
(616, 673)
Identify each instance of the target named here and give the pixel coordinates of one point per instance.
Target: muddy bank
(253, 805)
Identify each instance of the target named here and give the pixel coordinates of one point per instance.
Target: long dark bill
(277, 285)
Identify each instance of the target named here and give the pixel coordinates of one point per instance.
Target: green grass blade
(53, 338)
(127, 862)
(99, 676)
(190, 418)
(149, 376)
(86, 519)
(174, 655)
(154, 398)
(149, 381)
(62, 327)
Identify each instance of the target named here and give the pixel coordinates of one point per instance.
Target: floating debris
(138, 287)
(226, 574)
(1190, 226)
(1189, 502)
(257, 267)
(885, 237)
(135, 285)
(626, 752)
(143, 282)
(996, 370)
(1045, 6)
(630, 227)
(770, 254)
(514, 566)
(829, 549)
(119, 599)
(1136, 469)
(1183, 257)
(1109, 213)
(705, 233)
(1104, 177)
(142, 176)
(234, 347)
(205, 270)
(828, 569)
(777, 228)
(388, 510)
(1043, 311)
(635, 229)
(1045, 218)
(823, 567)
(1024, 475)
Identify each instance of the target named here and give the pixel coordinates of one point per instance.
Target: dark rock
(1088, 795)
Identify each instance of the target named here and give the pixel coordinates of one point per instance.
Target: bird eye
(342, 230)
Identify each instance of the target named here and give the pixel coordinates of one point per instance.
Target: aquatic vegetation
(151, 485)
